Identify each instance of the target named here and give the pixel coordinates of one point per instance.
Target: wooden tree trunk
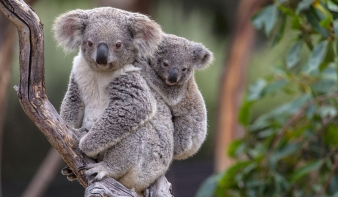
(233, 81)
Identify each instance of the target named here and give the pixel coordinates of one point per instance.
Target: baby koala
(171, 73)
(129, 127)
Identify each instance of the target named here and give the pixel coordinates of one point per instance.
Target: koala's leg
(131, 104)
(72, 107)
(117, 160)
(190, 125)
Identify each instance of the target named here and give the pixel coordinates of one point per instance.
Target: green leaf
(276, 86)
(281, 2)
(326, 23)
(314, 21)
(331, 135)
(208, 187)
(244, 113)
(266, 18)
(335, 27)
(293, 55)
(280, 31)
(235, 145)
(304, 4)
(331, 6)
(256, 90)
(318, 55)
(306, 169)
(287, 150)
(295, 19)
(326, 111)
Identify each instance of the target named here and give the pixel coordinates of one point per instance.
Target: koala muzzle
(102, 54)
(173, 75)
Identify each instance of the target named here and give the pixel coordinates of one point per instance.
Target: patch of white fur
(93, 87)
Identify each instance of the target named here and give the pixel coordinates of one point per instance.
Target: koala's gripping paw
(99, 169)
(69, 173)
(80, 132)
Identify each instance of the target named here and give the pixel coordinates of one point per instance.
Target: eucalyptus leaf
(256, 90)
(335, 27)
(314, 21)
(244, 113)
(304, 4)
(280, 32)
(276, 86)
(266, 18)
(235, 145)
(327, 111)
(326, 23)
(208, 187)
(287, 150)
(293, 55)
(306, 169)
(318, 55)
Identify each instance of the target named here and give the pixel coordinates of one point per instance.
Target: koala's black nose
(102, 54)
(173, 75)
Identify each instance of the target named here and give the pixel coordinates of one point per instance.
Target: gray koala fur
(129, 125)
(171, 73)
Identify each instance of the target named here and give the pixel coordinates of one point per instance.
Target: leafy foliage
(291, 151)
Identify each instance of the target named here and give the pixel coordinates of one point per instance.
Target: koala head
(177, 58)
(109, 38)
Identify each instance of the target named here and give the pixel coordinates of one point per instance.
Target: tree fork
(33, 99)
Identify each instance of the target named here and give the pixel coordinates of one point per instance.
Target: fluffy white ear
(147, 34)
(68, 28)
(202, 57)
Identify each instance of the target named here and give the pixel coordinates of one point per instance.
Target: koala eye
(118, 44)
(90, 43)
(165, 64)
(184, 69)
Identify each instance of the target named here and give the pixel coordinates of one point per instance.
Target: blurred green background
(208, 22)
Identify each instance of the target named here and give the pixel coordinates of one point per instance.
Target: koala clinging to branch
(129, 127)
(171, 73)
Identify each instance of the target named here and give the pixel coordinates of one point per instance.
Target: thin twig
(333, 169)
(297, 116)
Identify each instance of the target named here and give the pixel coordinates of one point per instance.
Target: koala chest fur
(93, 88)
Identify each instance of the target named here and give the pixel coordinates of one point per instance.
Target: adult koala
(130, 129)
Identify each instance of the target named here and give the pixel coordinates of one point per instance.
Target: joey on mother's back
(171, 73)
(129, 126)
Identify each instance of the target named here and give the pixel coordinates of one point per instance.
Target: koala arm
(131, 104)
(190, 123)
(72, 107)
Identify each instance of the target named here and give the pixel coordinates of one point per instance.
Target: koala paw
(100, 169)
(80, 132)
(69, 173)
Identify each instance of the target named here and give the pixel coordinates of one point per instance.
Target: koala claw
(69, 173)
(97, 168)
(80, 132)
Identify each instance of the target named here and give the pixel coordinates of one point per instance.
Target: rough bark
(233, 80)
(33, 99)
